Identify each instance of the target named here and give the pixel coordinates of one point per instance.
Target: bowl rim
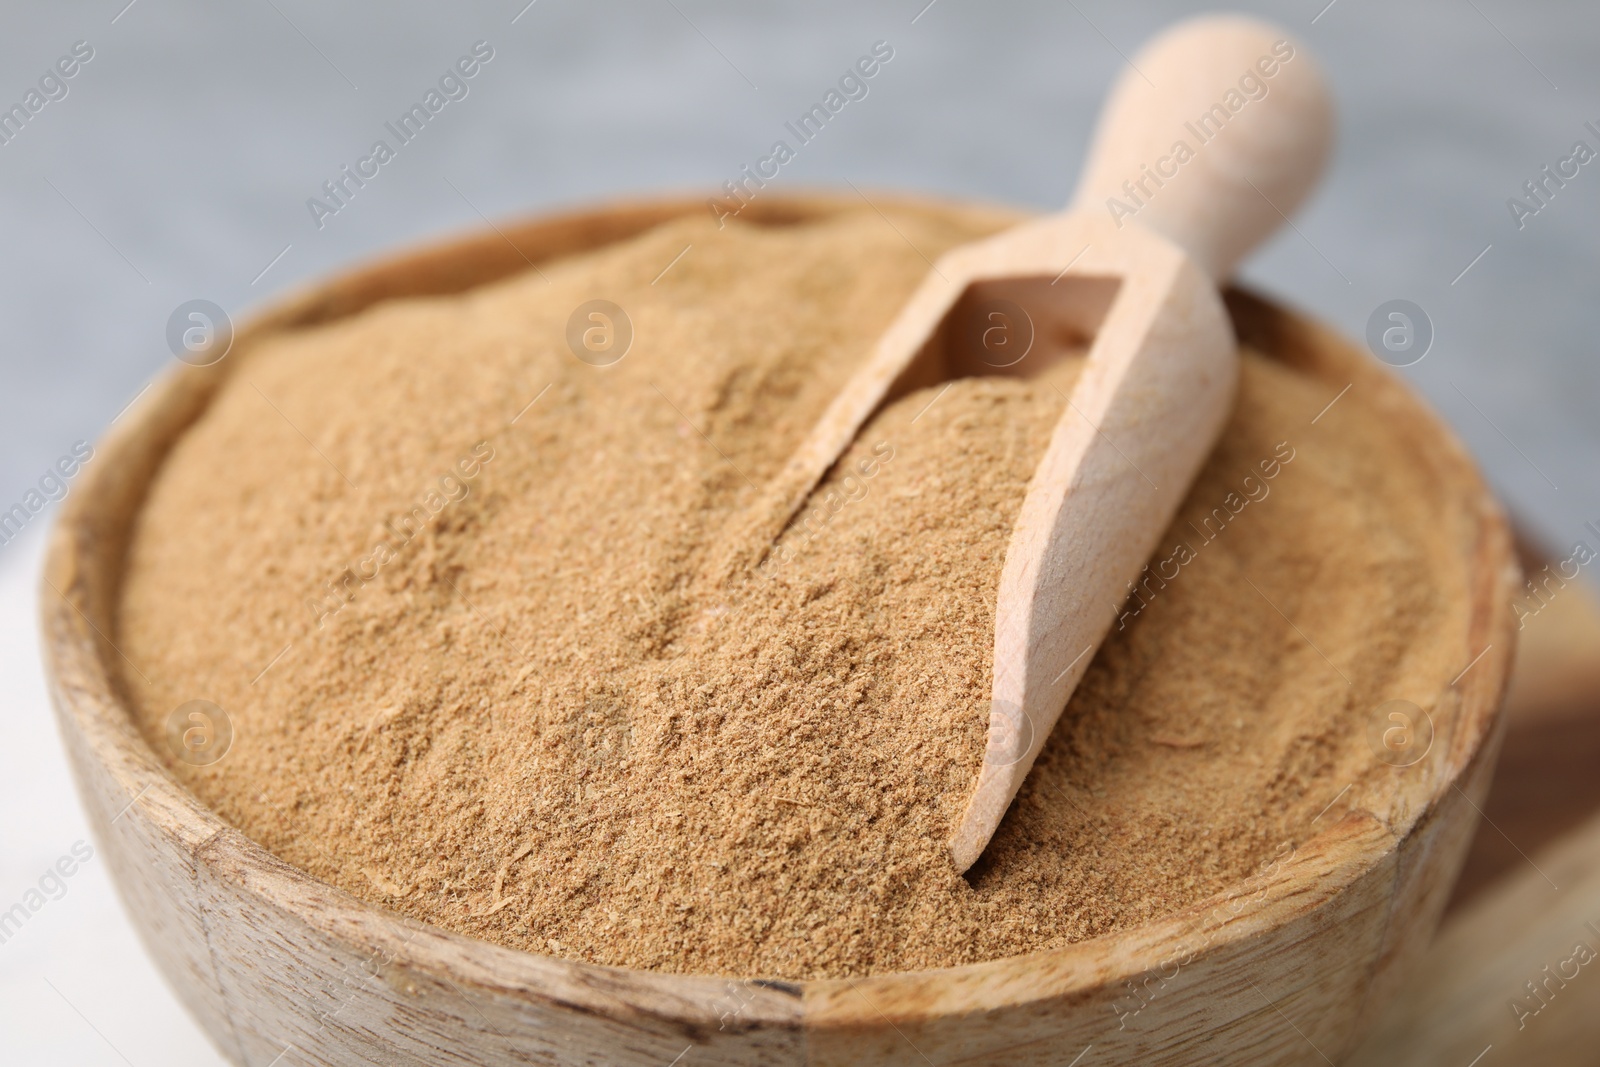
(82, 580)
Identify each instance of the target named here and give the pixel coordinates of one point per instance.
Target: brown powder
(504, 687)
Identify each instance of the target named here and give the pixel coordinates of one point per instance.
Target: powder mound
(464, 598)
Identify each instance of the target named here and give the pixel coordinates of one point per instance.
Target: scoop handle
(1213, 135)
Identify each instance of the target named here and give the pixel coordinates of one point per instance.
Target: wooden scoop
(1133, 264)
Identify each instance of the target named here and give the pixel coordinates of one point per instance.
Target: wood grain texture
(1534, 893)
(268, 959)
(1545, 783)
(1514, 977)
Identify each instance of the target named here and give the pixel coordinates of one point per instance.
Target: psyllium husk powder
(496, 653)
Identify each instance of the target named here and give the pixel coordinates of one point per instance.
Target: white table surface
(75, 985)
(179, 164)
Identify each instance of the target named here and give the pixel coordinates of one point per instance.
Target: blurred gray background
(179, 163)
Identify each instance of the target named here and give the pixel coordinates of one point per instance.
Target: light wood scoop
(1137, 274)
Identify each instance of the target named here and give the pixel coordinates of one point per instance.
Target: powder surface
(465, 600)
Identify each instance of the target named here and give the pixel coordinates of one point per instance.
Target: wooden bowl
(1286, 967)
